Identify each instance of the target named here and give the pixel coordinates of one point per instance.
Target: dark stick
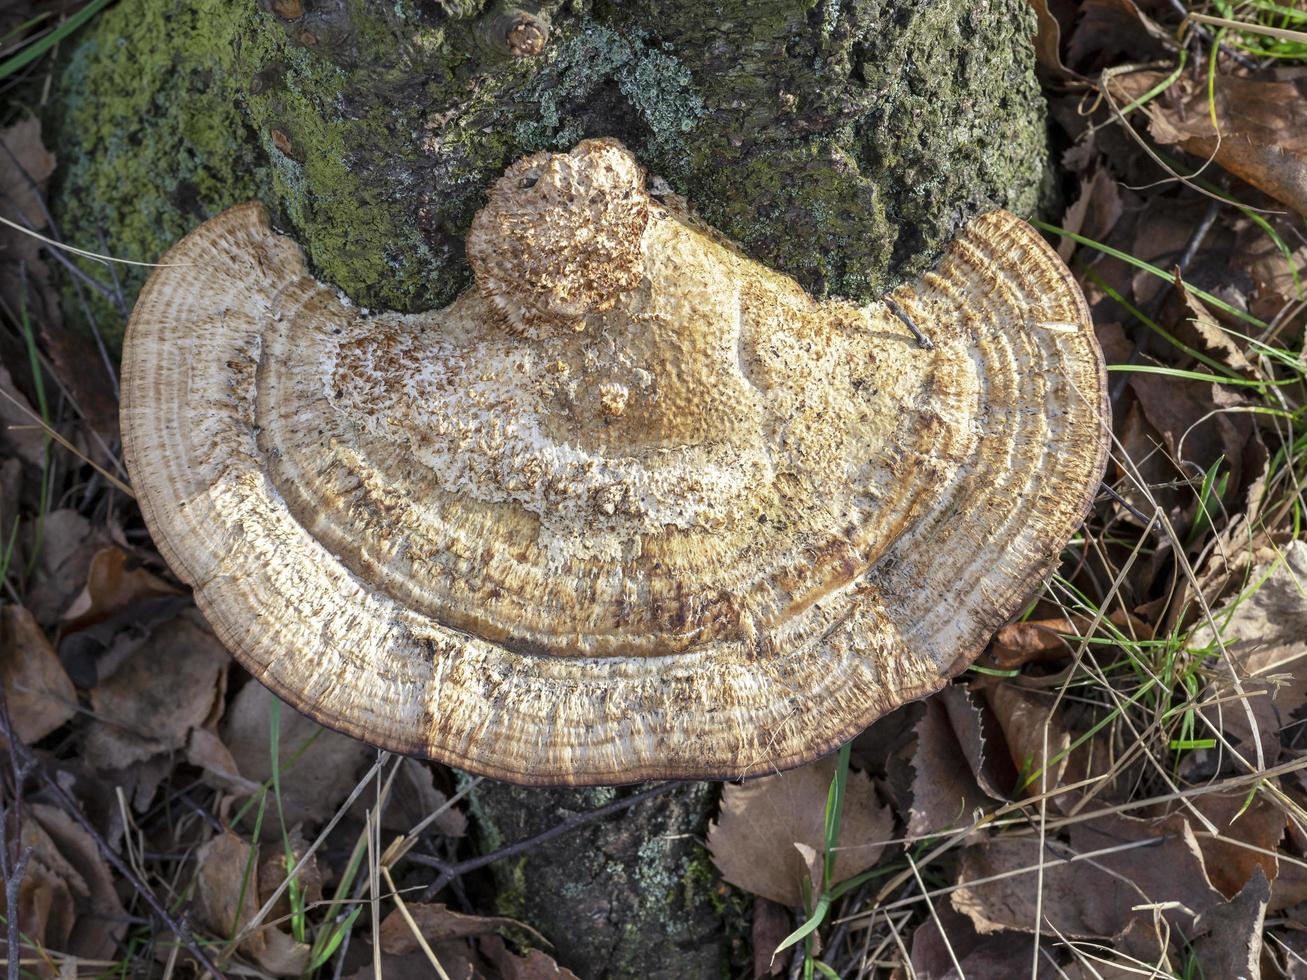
(1124, 503)
(923, 341)
(13, 882)
(13, 869)
(448, 872)
(1201, 31)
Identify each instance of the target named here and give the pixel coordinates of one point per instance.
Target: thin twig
(923, 341)
(1202, 32)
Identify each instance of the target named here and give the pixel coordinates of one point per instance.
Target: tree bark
(840, 141)
(632, 896)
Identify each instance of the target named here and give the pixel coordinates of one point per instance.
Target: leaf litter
(1119, 788)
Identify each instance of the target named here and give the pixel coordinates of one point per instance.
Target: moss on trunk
(841, 141)
(633, 896)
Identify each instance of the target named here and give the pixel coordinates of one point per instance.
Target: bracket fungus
(635, 506)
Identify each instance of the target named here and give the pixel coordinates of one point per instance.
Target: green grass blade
(1148, 267)
(39, 47)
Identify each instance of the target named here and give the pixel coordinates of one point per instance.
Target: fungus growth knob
(559, 237)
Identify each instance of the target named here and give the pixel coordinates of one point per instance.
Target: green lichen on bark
(627, 897)
(841, 141)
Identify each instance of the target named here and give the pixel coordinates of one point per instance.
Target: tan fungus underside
(636, 507)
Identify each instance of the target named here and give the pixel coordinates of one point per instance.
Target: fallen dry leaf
(1037, 741)
(1032, 641)
(19, 434)
(457, 959)
(101, 920)
(1048, 41)
(1094, 212)
(1207, 330)
(1092, 886)
(91, 655)
(936, 955)
(771, 924)
(273, 869)
(67, 900)
(114, 581)
(1037, 727)
(1188, 415)
(1289, 887)
(1111, 30)
(413, 795)
(1264, 632)
(26, 282)
(951, 778)
(1229, 936)
(205, 750)
(67, 543)
(535, 965)
(437, 923)
(281, 955)
(1274, 283)
(318, 766)
(25, 166)
(1248, 833)
(232, 885)
(171, 684)
(227, 889)
(37, 689)
(1262, 127)
(753, 839)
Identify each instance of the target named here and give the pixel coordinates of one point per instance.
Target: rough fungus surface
(635, 507)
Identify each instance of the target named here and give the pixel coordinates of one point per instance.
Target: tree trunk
(840, 141)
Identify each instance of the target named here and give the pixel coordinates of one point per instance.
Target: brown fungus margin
(636, 507)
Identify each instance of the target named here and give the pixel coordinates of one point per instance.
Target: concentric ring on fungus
(635, 507)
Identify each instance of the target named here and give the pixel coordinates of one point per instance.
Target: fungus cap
(635, 506)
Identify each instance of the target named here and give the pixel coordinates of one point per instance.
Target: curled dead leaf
(227, 889)
(67, 901)
(231, 883)
(1112, 873)
(1032, 641)
(413, 795)
(947, 947)
(114, 581)
(1259, 134)
(953, 776)
(1229, 935)
(771, 924)
(205, 750)
(534, 965)
(64, 542)
(437, 923)
(143, 711)
(37, 689)
(318, 766)
(753, 841)
(1263, 633)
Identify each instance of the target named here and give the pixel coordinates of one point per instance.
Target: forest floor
(1118, 788)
